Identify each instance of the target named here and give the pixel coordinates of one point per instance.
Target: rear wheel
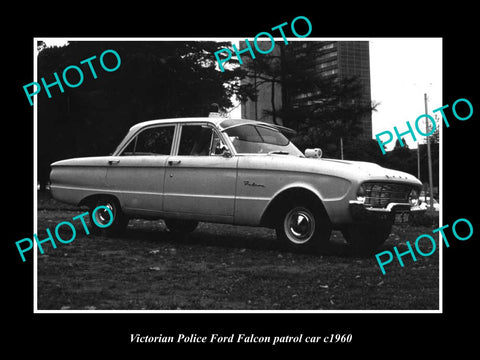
(101, 220)
(303, 226)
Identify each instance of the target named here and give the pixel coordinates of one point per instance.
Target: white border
(35, 178)
(35, 199)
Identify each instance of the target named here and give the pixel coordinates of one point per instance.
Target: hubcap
(299, 225)
(102, 216)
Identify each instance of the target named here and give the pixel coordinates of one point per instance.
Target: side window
(154, 141)
(195, 140)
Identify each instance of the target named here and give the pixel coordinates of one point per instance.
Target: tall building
(332, 60)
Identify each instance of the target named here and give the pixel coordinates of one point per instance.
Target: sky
(402, 70)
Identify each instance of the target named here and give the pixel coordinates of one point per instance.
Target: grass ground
(221, 267)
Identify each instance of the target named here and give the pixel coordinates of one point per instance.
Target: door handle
(174, 162)
(113, 162)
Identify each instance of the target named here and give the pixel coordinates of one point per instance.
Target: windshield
(253, 139)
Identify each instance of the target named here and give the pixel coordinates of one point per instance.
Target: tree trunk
(274, 115)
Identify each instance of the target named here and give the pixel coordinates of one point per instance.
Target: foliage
(157, 79)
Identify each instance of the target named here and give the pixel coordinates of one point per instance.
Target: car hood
(369, 170)
(372, 169)
(354, 171)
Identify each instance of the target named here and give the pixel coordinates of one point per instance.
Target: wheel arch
(286, 196)
(91, 200)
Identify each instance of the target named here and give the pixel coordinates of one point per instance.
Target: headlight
(413, 197)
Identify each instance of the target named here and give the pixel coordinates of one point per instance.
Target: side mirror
(313, 153)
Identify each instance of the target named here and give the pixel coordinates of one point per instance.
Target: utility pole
(430, 178)
(418, 161)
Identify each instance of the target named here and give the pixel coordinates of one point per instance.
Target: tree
(41, 45)
(156, 79)
(399, 146)
(434, 147)
(363, 150)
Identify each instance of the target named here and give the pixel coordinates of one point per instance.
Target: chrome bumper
(361, 213)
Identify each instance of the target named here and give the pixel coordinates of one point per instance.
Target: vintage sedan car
(240, 172)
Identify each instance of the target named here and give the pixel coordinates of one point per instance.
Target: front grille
(379, 195)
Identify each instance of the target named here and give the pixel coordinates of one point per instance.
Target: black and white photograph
(261, 182)
(254, 188)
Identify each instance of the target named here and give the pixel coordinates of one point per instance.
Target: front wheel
(303, 227)
(101, 221)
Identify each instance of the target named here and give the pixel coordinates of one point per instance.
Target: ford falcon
(240, 172)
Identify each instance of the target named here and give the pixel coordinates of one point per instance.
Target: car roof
(175, 120)
(220, 122)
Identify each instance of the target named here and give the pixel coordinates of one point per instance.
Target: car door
(137, 175)
(200, 179)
